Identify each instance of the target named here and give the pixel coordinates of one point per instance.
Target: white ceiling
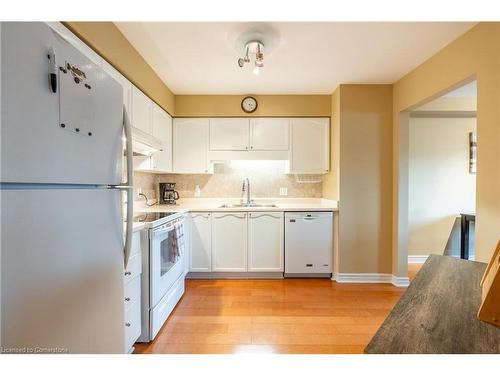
(308, 58)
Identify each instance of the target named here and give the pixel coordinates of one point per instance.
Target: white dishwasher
(308, 244)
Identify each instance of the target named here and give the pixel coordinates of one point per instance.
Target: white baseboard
(402, 282)
(417, 259)
(371, 278)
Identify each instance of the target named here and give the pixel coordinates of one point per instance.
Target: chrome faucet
(246, 187)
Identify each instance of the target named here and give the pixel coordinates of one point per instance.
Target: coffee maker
(168, 195)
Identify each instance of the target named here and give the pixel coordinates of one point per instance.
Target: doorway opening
(441, 157)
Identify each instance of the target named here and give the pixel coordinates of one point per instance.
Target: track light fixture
(256, 48)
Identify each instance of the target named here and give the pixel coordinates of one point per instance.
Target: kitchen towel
(177, 248)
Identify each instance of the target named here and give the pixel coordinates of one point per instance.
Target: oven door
(165, 266)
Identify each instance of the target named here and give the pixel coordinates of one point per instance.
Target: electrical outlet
(283, 191)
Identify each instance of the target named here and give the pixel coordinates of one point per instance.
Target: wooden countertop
(438, 313)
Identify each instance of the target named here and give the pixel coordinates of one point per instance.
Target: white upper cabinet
(141, 111)
(229, 242)
(244, 134)
(269, 134)
(191, 145)
(229, 134)
(265, 242)
(124, 82)
(161, 161)
(201, 242)
(310, 145)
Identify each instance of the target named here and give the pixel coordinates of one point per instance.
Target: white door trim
(417, 259)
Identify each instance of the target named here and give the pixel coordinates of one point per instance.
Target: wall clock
(249, 104)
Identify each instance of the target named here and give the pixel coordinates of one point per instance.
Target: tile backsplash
(266, 179)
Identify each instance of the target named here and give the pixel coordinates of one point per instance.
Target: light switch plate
(283, 191)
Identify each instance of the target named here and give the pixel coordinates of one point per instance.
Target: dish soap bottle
(197, 191)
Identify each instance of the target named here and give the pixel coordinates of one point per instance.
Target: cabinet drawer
(136, 243)
(159, 315)
(134, 268)
(132, 325)
(132, 292)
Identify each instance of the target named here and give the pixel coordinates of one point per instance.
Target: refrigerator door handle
(129, 186)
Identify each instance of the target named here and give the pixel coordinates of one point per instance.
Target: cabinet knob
(128, 273)
(127, 299)
(251, 147)
(127, 324)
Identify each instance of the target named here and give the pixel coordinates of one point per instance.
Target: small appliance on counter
(168, 194)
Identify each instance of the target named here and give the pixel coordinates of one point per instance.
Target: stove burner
(149, 217)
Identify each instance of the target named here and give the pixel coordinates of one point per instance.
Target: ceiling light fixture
(254, 47)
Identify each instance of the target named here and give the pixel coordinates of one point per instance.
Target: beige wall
(474, 54)
(109, 42)
(365, 178)
(331, 180)
(268, 105)
(450, 105)
(440, 185)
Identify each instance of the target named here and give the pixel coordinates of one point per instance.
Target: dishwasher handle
(306, 218)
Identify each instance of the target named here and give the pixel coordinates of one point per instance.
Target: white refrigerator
(63, 241)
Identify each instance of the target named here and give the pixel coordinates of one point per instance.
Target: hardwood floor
(274, 316)
(413, 268)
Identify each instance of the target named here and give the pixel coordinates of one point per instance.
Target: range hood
(144, 143)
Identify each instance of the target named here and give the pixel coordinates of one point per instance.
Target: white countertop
(214, 205)
(137, 226)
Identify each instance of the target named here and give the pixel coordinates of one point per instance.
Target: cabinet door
(265, 242)
(229, 242)
(162, 129)
(269, 134)
(229, 134)
(190, 145)
(124, 82)
(201, 242)
(141, 110)
(310, 145)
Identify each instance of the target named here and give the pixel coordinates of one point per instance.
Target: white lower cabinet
(236, 242)
(229, 242)
(132, 294)
(201, 242)
(265, 242)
